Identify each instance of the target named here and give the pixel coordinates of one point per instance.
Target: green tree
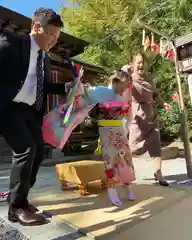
(107, 25)
(110, 26)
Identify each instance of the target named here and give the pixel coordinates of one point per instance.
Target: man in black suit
(24, 83)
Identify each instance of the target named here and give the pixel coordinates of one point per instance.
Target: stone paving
(174, 171)
(55, 228)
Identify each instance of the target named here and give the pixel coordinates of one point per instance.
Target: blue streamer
(71, 66)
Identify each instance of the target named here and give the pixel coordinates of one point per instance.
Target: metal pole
(184, 125)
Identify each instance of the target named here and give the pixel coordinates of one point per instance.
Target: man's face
(47, 36)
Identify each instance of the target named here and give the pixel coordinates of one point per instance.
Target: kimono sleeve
(101, 94)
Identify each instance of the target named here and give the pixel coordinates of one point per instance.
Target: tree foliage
(107, 25)
(110, 26)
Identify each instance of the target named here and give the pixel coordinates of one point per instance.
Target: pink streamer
(79, 118)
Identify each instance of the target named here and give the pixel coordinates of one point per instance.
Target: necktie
(40, 79)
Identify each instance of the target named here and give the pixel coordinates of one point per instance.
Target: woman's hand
(167, 106)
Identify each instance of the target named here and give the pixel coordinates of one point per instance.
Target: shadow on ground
(96, 215)
(174, 178)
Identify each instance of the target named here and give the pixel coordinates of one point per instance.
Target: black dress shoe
(161, 182)
(25, 217)
(32, 208)
(27, 205)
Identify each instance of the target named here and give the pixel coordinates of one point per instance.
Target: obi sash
(109, 123)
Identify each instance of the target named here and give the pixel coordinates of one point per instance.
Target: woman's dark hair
(119, 76)
(47, 16)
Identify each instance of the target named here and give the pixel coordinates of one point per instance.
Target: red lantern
(155, 48)
(147, 43)
(170, 54)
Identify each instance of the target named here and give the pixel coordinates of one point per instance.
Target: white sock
(131, 195)
(113, 196)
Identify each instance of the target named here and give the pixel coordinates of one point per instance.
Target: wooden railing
(52, 99)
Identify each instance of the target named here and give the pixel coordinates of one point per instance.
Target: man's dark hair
(46, 16)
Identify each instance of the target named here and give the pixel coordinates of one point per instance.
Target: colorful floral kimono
(113, 128)
(112, 115)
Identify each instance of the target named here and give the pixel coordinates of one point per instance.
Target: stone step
(55, 229)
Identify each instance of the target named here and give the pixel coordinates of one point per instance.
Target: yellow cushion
(81, 172)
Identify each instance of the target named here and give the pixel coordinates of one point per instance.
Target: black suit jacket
(14, 64)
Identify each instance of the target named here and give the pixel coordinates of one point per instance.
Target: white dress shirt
(27, 94)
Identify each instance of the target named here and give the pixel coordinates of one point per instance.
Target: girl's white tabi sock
(113, 196)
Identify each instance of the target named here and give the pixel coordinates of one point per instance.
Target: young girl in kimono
(114, 117)
(113, 105)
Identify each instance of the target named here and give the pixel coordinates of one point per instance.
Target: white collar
(34, 45)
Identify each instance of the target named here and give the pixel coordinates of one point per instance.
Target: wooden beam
(24, 22)
(152, 29)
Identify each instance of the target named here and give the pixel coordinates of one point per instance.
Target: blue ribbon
(71, 66)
